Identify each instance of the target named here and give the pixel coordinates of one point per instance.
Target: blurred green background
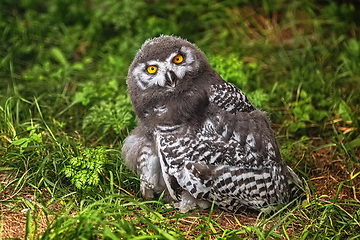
(299, 56)
(64, 65)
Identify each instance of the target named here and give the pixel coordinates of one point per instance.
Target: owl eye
(151, 69)
(178, 59)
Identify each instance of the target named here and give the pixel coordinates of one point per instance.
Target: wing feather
(230, 98)
(215, 170)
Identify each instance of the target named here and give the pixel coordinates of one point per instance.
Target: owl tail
(296, 185)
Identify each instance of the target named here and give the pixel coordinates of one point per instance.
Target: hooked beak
(171, 79)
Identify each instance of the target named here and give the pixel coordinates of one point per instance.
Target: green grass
(64, 112)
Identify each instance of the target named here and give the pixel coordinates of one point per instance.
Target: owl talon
(188, 202)
(146, 191)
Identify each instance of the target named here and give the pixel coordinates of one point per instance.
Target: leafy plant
(304, 112)
(116, 115)
(25, 141)
(84, 169)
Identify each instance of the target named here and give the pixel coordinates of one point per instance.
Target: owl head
(167, 68)
(162, 63)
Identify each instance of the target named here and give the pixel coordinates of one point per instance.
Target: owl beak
(171, 79)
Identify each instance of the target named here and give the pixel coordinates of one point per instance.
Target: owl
(198, 139)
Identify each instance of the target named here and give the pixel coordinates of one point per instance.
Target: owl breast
(178, 107)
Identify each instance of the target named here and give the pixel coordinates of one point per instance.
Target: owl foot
(146, 191)
(188, 203)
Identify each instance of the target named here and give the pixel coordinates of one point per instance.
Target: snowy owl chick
(199, 138)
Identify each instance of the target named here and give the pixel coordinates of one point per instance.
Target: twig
(298, 92)
(229, 221)
(317, 178)
(299, 160)
(117, 185)
(333, 178)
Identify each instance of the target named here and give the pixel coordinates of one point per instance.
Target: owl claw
(188, 202)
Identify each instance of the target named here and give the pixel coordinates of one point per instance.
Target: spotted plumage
(230, 98)
(199, 139)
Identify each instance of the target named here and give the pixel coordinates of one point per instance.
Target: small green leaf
(308, 108)
(353, 45)
(305, 117)
(354, 143)
(298, 112)
(36, 137)
(78, 66)
(79, 97)
(19, 141)
(345, 111)
(293, 127)
(25, 144)
(303, 95)
(58, 55)
(85, 101)
(301, 125)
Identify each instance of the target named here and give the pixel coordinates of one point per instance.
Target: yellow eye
(178, 59)
(151, 69)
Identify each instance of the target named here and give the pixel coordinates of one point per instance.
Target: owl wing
(226, 102)
(235, 117)
(229, 98)
(211, 169)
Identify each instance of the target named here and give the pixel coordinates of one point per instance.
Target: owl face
(164, 62)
